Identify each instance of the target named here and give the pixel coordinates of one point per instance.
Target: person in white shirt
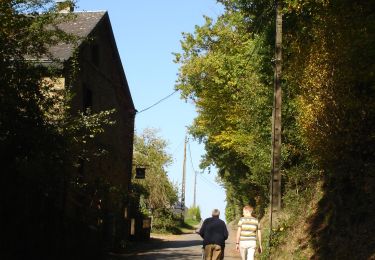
(247, 234)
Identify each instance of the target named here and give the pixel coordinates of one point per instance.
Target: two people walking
(214, 233)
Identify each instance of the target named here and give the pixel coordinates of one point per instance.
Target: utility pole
(183, 178)
(275, 182)
(195, 189)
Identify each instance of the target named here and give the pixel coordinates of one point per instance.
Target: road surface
(173, 247)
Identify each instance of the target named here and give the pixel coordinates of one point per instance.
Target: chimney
(64, 6)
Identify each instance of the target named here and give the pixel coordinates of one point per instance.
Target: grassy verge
(186, 226)
(290, 236)
(189, 226)
(192, 223)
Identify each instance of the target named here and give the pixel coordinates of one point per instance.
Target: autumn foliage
(328, 110)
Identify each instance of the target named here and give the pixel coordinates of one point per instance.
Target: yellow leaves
(232, 139)
(53, 90)
(224, 139)
(326, 80)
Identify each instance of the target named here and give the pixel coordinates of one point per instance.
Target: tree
(223, 61)
(334, 80)
(158, 191)
(40, 140)
(328, 113)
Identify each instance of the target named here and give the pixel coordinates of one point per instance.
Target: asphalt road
(173, 247)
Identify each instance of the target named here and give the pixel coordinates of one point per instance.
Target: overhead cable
(158, 102)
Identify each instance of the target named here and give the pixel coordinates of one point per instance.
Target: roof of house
(81, 25)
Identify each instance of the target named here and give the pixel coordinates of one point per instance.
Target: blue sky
(146, 33)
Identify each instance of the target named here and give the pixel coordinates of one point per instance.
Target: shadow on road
(157, 248)
(158, 256)
(178, 244)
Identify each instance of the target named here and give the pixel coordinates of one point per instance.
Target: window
(86, 98)
(81, 168)
(95, 54)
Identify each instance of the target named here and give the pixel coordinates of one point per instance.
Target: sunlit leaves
(219, 73)
(150, 152)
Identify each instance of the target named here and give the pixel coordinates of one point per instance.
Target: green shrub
(165, 221)
(194, 213)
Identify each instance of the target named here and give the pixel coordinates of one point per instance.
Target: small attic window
(95, 54)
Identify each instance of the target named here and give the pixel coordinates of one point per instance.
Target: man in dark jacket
(214, 233)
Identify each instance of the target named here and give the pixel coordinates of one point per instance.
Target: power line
(195, 177)
(191, 160)
(207, 181)
(158, 102)
(210, 183)
(178, 147)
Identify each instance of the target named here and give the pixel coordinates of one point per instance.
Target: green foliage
(156, 192)
(170, 223)
(328, 109)
(149, 151)
(222, 61)
(290, 238)
(334, 80)
(165, 221)
(40, 140)
(194, 213)
(191, 224)
(217, 65)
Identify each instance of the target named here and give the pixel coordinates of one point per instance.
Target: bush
(165, 221)
(194, 213)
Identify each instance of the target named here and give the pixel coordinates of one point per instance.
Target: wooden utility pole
(275, 183)
(183, 178)
(195, 189)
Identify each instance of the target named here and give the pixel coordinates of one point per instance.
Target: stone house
(100, 84)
